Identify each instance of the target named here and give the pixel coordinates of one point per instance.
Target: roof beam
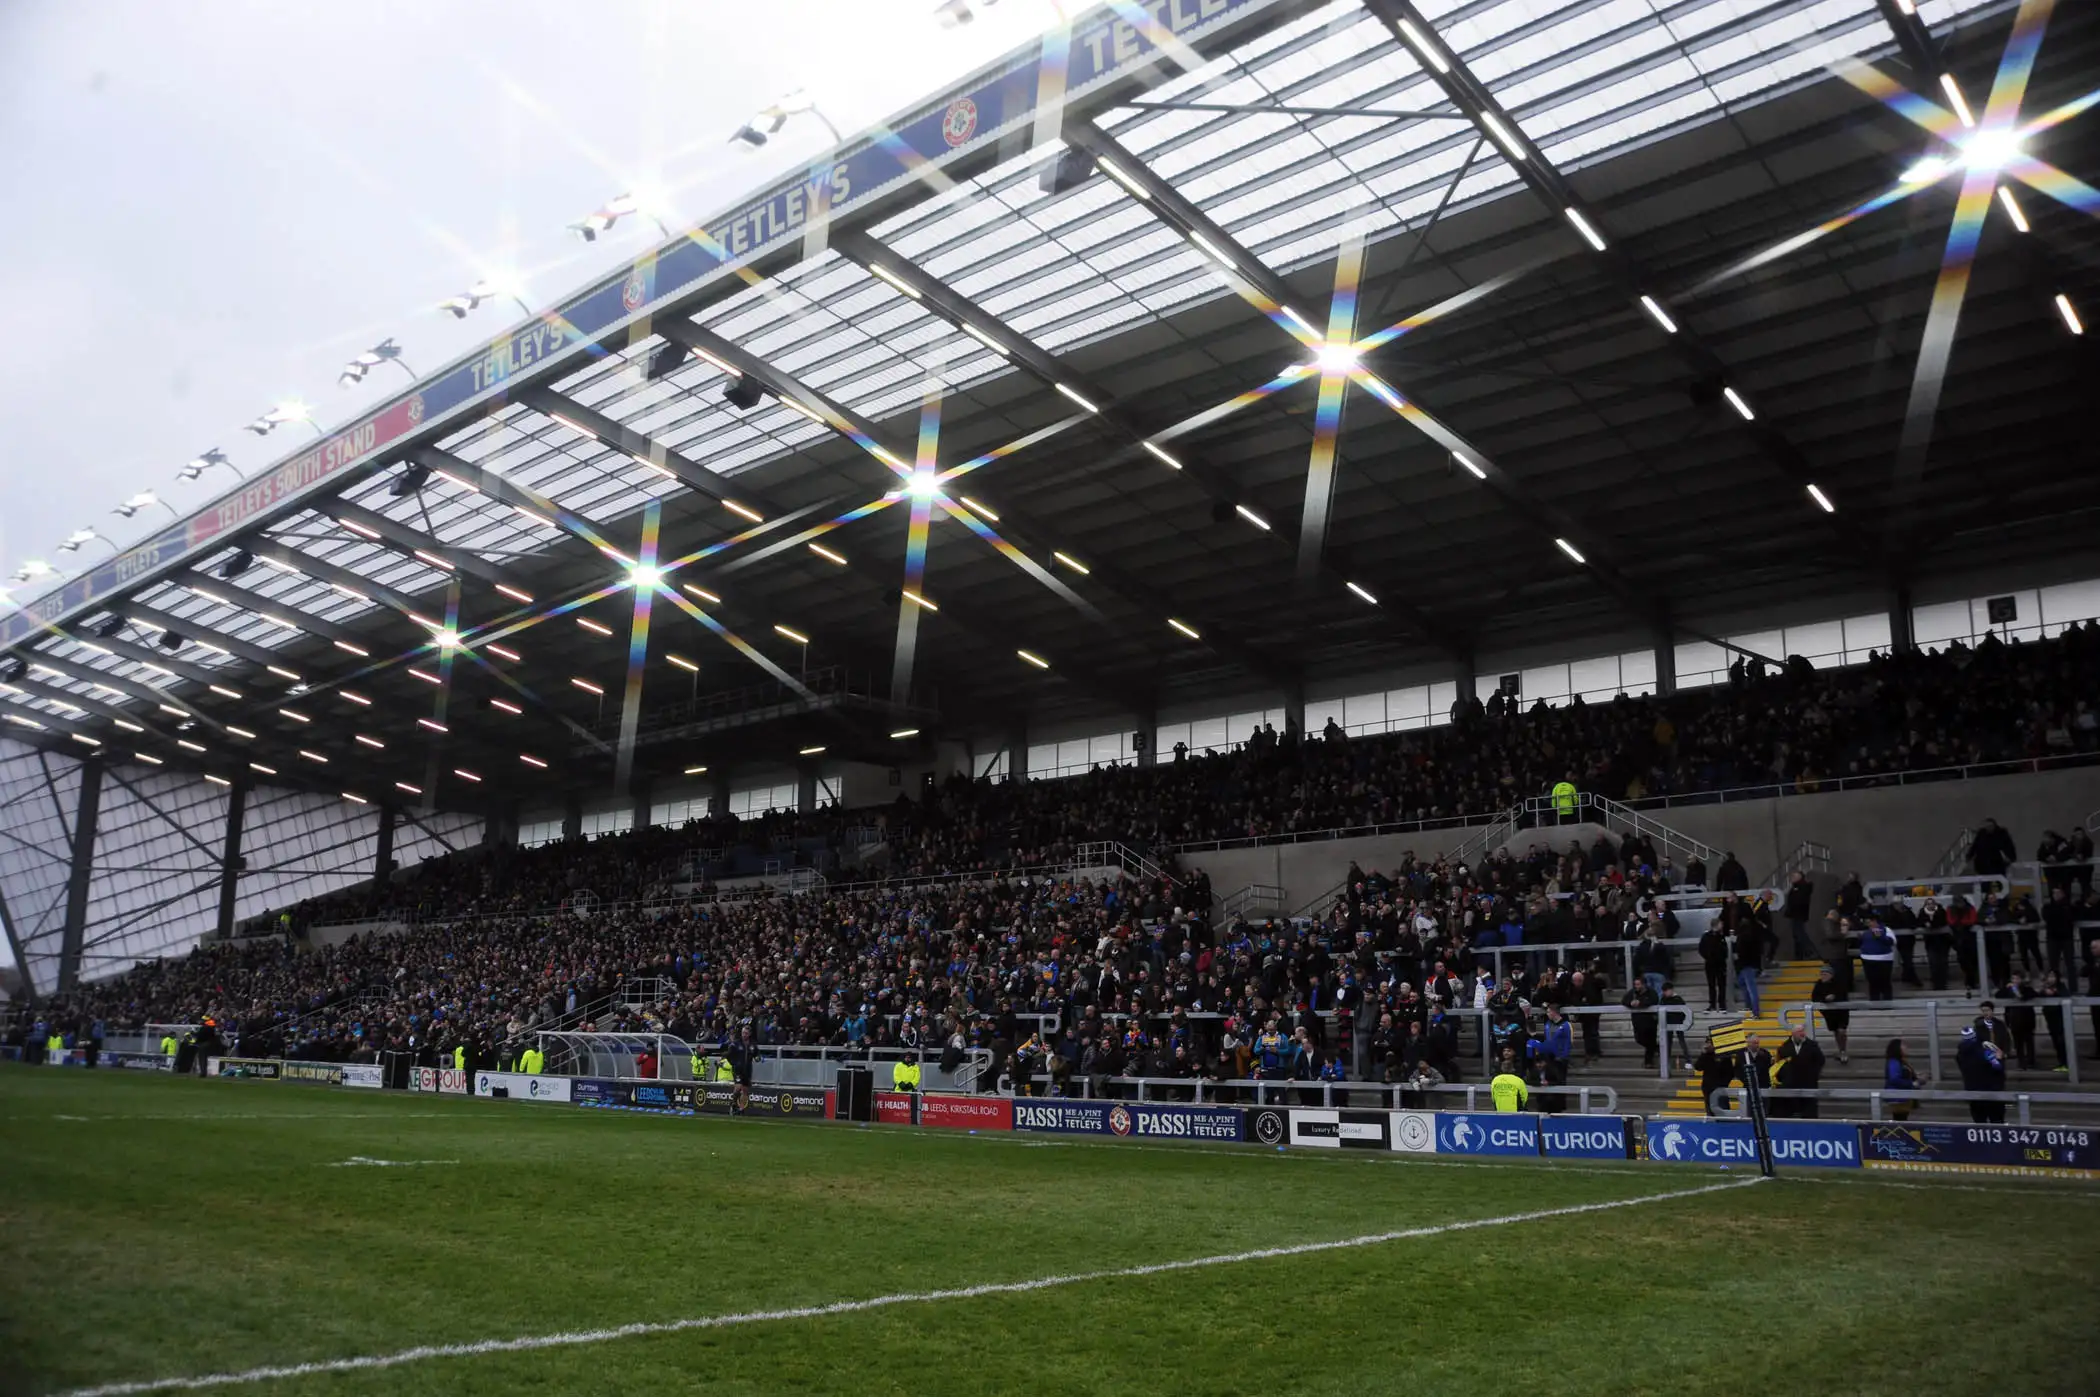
(1474, 98)
(341, 578)
(262, 656)
(1209, 479)
(1552, 523)
(1012, 523)
(403, 538)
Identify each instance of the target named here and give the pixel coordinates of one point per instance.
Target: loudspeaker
(856, 1094)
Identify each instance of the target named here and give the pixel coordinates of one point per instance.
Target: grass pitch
(157, 1229)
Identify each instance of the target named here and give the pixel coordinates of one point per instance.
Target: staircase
(1793, 982)
(1254, 901)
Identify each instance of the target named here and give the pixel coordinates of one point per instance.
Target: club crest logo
(1415, 1134)
(635, 290)
(1670, 1142)
(960, 122)
(1119, 1120)
(415, 407)
(1268, 1128)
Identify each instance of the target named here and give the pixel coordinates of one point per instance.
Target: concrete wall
(1883, 833)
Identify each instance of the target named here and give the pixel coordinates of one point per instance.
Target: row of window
(744, 802)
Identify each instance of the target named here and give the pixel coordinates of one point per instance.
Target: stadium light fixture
(433, 724)
(588, 687)
(2013, 209)
(1427, 51)
(1583, 226)
(923, 485)
(198, 465)
(1121, 176)
(700, 593)
(982, 338)
(502, 652)
(645, 577)
(290, 410)
(980, 508)
(683, 663)
(516, 594)
(80, 538)
(1212, 251)
(602, 219)
(916, 600)
(507, 706)
(1472, 466)
(1184, 627)
(355, 799)
(768, 120)
(1571, 550)
(1032, 658)
(1660, 316)
(827, 555)
(1251, 517)
(1156, 450)
(385, 352)
(896, 281)
(487, 289)
(2069, 312)
(810, 751)
(142, 500)
(1504, 137)
(1336, 358)
(1075, 395)
(1960, 103)
(744, 511)
(1735, 400)
(900, 734)
(696, 771)
(369, 741)
(1071, 562)
(1992, 148)
(1362, 593)
(1815, 492)
(594, 627)
(792, 634)
(531, 760)
(465, 775)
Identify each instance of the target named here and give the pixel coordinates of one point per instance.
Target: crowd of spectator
(624, 932)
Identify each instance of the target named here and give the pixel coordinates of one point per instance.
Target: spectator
(1829, 991)
(1896, 1077)
(1800, 890)
(1716, 1070)
(1713, 955)
(1732, 878)
(1749, 955)
(1982, 1066)
(1800, 1069)
(1991, 850)
(1508, 1087)
(2019, 1019)
(1877, 956)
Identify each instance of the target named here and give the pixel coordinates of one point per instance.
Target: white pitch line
(576, 1337)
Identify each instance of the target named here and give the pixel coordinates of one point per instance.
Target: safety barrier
(2055, 1151)
(1886, 1103)
(1792, 1016)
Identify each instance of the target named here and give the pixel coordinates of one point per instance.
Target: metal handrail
(1281, 1091)
(1727, 1101)
(1939, 886)
(1804, 1015)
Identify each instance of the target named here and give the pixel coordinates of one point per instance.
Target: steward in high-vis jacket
(904, 1076)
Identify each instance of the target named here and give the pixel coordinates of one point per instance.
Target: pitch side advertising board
(2055, 1150)
(1130, 1118)
(946, 1112)
(1814, 1144)
(1342, 1130)
(369, 1075)
(521, 1086)
(140, 1062)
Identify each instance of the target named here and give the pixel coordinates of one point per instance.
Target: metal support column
(230, 860)
(1665, 661)
(1148, 738)
(14, 946)
(1017, 752)
(1903, 636)
(718, 796)
(572, 817)
(383, 857)
(805, 786)
(641, 794)
(85, 817)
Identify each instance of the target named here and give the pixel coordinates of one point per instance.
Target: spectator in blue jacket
(1877, 953)
(1550, 1050)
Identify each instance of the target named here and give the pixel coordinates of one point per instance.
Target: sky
(216, 203)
